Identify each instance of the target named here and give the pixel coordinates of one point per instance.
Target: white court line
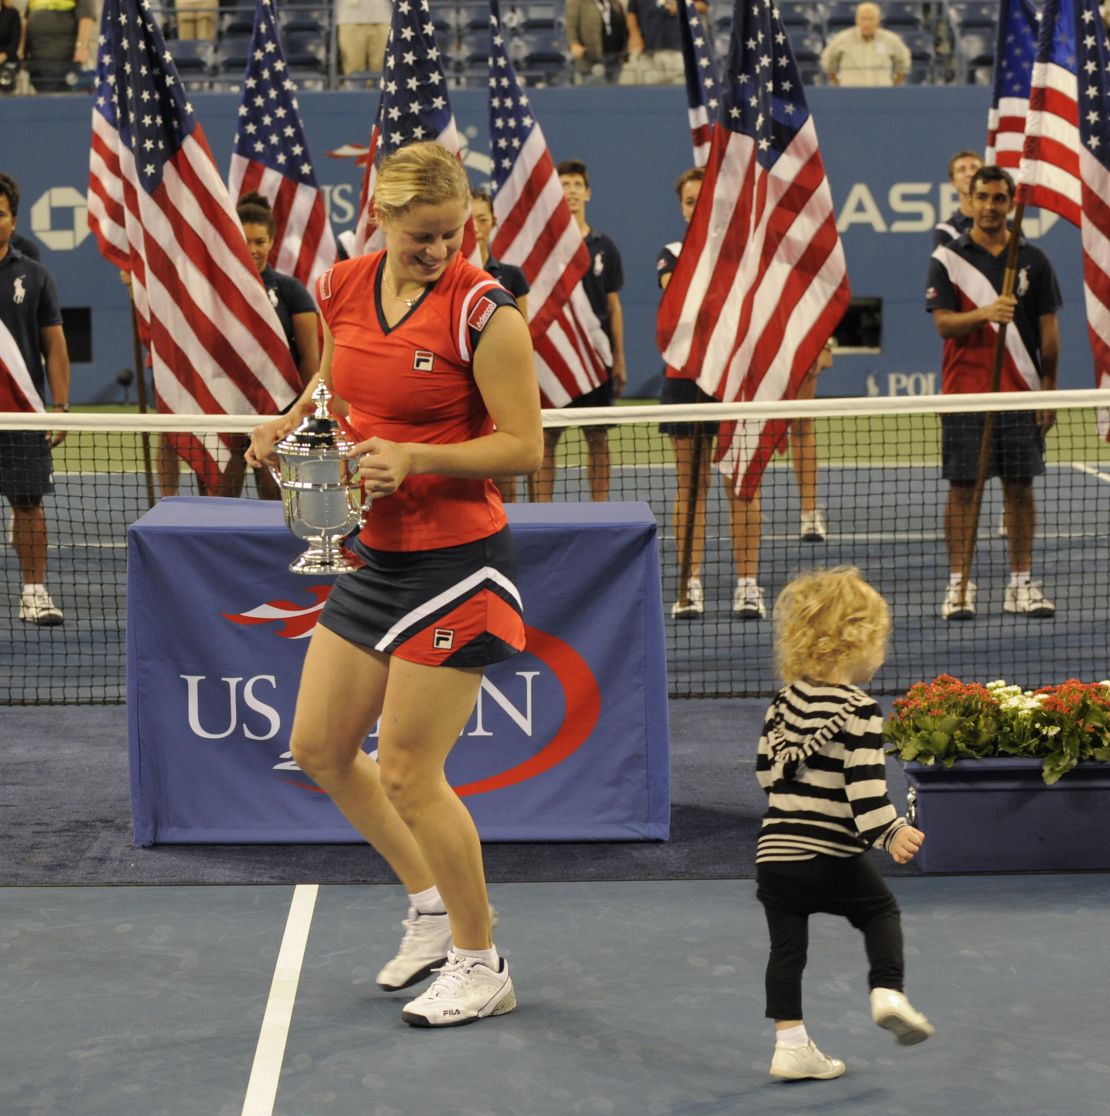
(262, 1087)
(1091, 471)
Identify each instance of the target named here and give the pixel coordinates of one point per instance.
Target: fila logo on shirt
(443, 639)
(423, 361)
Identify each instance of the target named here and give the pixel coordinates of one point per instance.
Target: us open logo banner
(567, 740)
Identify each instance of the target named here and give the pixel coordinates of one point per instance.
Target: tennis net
(879, 504)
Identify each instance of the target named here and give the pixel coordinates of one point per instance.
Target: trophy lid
(319, 431)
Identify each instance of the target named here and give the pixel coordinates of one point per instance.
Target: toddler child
(821, 763)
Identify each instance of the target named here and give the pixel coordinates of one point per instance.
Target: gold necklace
(409, 302)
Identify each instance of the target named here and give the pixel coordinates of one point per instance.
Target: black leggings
(791, 891)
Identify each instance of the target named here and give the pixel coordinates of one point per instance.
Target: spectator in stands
(597, 31)
(196, 19)
(35, 355)
(61, 37)
(961, 169)
(11, 32)
(362, 28)
(295, 310)
(692, 444)
(958, 273)
(601, 283)
(654, 43)
(866, 54)
(510, 277)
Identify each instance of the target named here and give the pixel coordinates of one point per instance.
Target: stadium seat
(546, 67)
(193, 60)
(796, 14)
(807, 42)
(968, 14)
(237, 21)
(840, 14)
(232, 55)
(975, 57)
(899, 14)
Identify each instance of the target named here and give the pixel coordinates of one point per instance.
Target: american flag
(701, 79)
(271, 156)
(413, 106)
(1013, 70)
(1049, 172)
(761, 283)
(536, 232)
(160, 210)
(1066, 164)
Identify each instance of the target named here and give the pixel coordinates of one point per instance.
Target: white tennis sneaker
(796, 1063)
(951, 609)
(694, 605)
(894, 1013)
(37, 607)
(814, 527)
(747, 603)
(424, 947)
(465, 991)
(1028, 599)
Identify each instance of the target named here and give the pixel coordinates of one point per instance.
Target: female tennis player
(431, 361)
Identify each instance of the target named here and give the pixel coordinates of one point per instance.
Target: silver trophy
(320, 490)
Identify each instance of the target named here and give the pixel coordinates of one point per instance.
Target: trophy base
(336, 561)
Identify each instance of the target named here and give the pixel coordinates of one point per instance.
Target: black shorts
(600, 396)
(678, 391)
(1017, 446)
(26, 465)
(456, 606)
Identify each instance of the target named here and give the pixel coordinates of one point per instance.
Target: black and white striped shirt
(821, 763)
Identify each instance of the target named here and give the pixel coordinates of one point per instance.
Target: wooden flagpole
(1008, 279)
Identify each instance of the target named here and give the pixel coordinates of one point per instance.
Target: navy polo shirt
(509, 276)
(952, 267)
(658, 26)
(605, 277)
(288, 297)
(28, 304)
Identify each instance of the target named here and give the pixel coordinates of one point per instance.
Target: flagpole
(1009, 278)
(140, 389)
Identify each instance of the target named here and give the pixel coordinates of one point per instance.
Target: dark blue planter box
(997, 815)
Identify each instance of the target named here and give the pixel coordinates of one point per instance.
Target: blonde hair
(419, 174)
(828, 622)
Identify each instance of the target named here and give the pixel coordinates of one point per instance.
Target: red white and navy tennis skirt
(457, 606)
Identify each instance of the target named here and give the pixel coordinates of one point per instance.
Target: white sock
(792, 1036)
(955, 578)
(746, 582)
(29, 587)
(489, 957)
(1020, 578)
(428, 901)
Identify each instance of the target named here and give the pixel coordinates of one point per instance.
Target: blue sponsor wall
(886, 152)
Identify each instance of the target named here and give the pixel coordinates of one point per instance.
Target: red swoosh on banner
(583, 708)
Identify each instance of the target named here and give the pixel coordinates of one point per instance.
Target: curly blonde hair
(828, 624)
(419, 174)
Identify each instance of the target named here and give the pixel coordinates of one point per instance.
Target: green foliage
(946, 720)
